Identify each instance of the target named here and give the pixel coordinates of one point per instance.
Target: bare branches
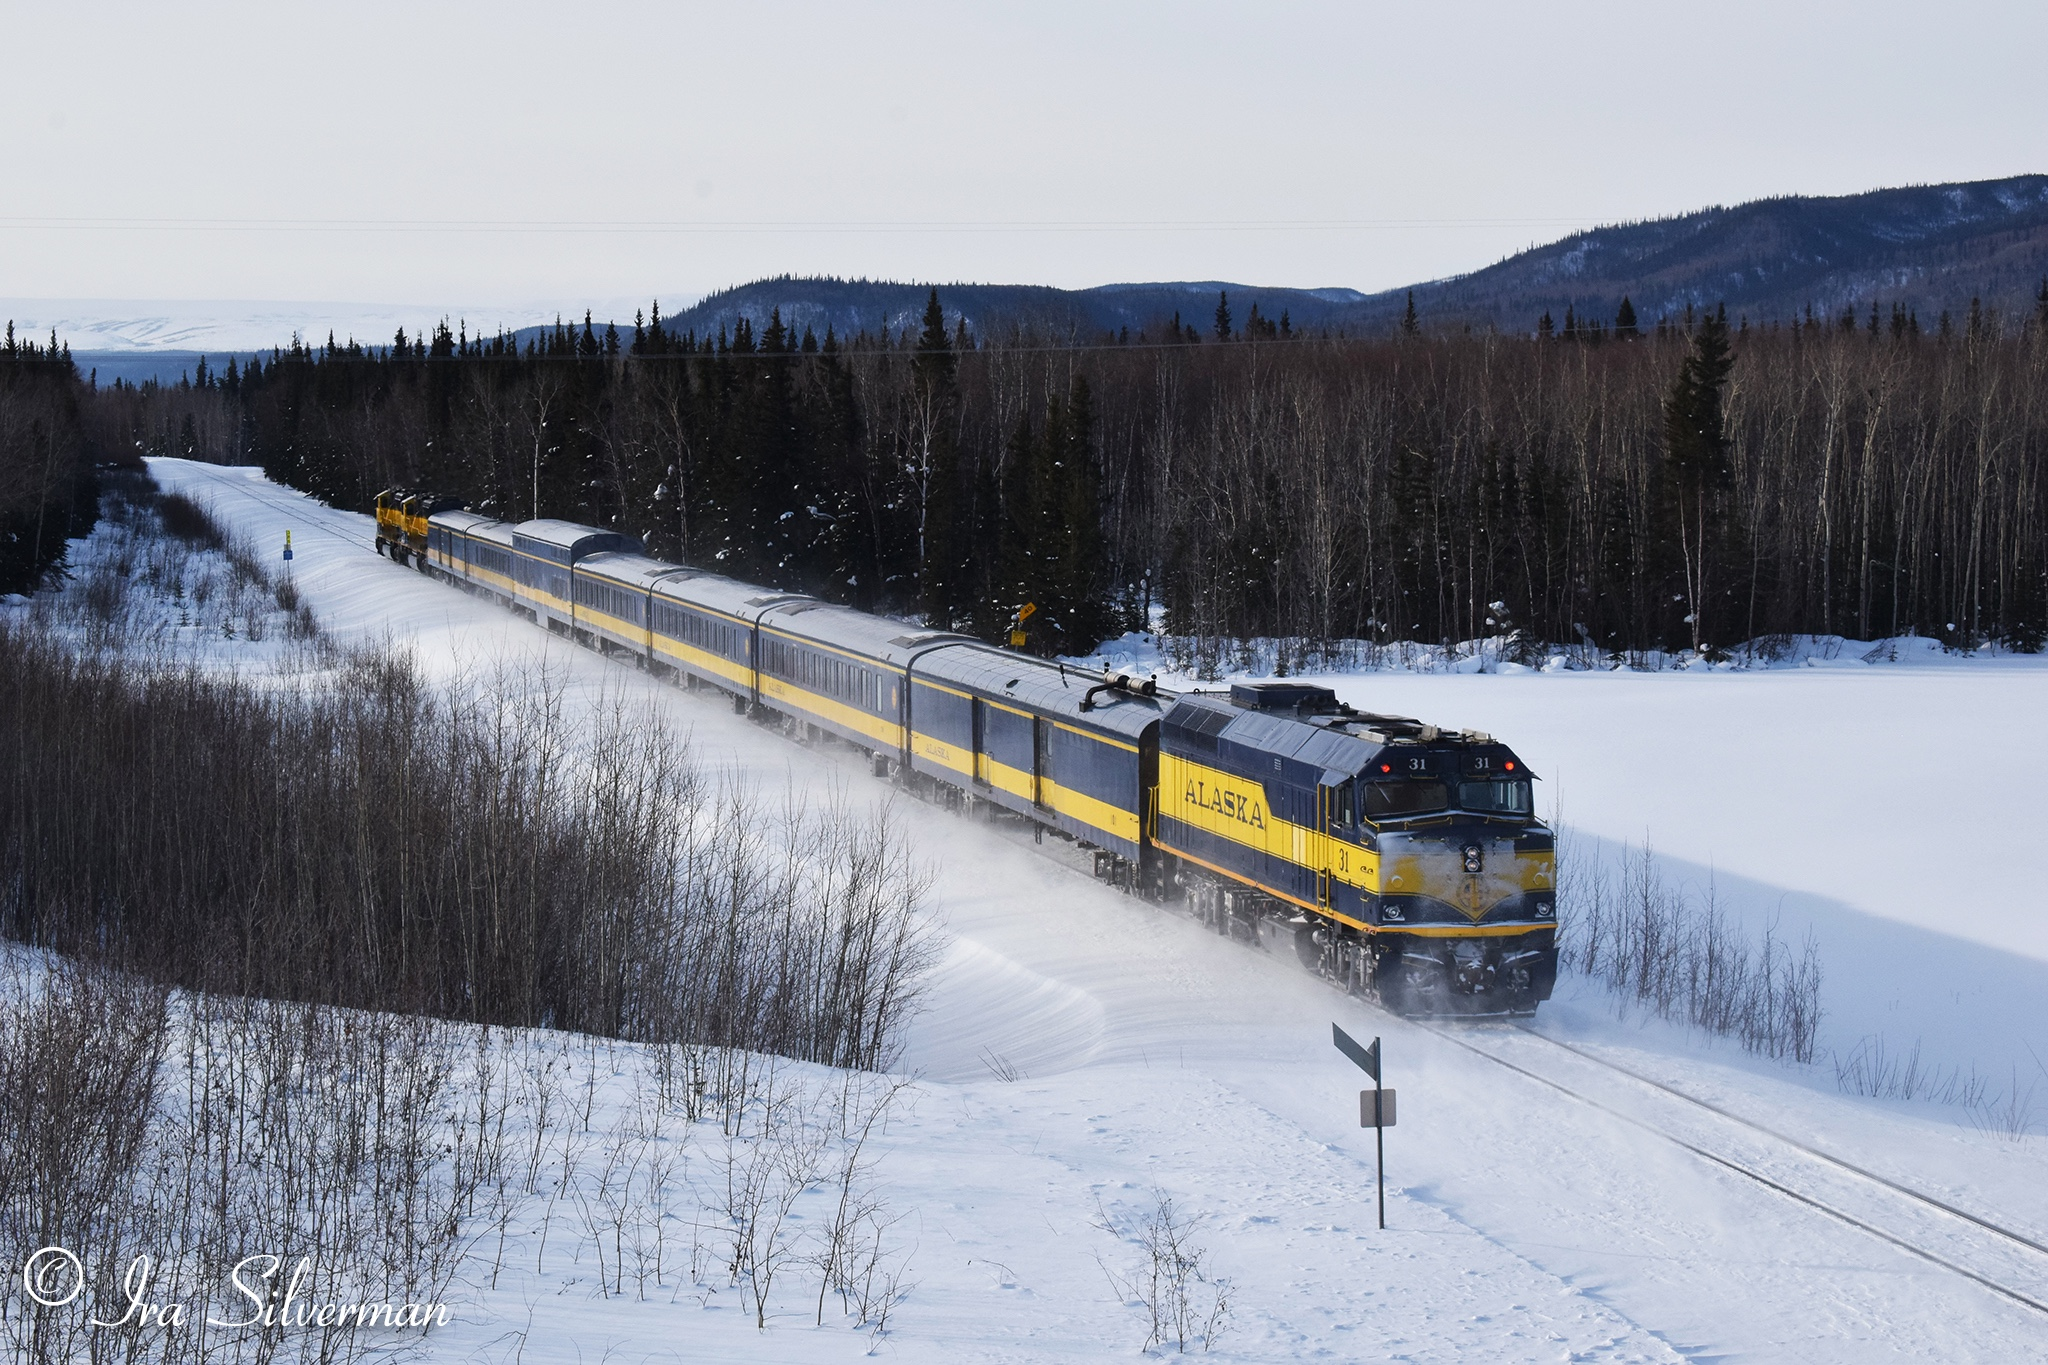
(1184, 1305)
(366, 840)
(1677, 951)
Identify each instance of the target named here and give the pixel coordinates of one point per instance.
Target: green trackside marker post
(1375, 1106)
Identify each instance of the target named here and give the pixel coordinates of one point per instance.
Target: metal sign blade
(1367, 1058)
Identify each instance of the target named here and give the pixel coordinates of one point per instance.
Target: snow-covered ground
(1082, 1050)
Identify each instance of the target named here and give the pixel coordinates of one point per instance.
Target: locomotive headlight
(1473, 858)
(1545, 910)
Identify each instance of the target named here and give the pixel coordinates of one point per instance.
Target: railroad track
(1933, 1230)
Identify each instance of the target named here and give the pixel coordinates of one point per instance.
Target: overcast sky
(462, 155)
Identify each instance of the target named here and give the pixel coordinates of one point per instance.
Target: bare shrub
(1183, 1304)
(764, 1173)
(190, 522)
(855, 1259)
(158, 563)
(1874, 1069)
(302, 1144)
(2008, 1115)
(79, 1057)
(1677, 952)
(365, 840)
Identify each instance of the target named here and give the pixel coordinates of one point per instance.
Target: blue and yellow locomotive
(1400, 859)
(1403, 861)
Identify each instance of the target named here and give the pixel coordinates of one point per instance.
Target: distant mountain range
(853, 306)
(1928, 247)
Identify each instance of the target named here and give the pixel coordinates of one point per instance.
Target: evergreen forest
(1689, 482)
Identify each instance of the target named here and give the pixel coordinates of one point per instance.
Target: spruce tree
(936, 471)
(1223, 315)
(1625, 320)
(1086, 615)
(1696, 455)
(1410, 323)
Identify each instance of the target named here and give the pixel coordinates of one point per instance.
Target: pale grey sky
(429, 153)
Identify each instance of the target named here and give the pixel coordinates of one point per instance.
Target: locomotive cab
(1465, 871)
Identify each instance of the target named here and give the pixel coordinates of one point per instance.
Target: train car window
(1405, 798)
(1505, 798)
(1340, 806)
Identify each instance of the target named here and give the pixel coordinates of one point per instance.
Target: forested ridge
(48, 489)
(1695, 482)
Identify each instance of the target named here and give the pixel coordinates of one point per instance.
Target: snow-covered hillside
(1083, 1052)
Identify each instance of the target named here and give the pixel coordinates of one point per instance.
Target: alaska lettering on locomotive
(1232, 805)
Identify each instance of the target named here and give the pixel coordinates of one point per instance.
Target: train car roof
(877, 637)
(567, 535)
(726, 596)
(464, 521)
(1044, 686)
(630, 570)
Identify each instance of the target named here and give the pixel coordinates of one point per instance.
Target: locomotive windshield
(1502, 797)
(1405, 798)
(1392, 800)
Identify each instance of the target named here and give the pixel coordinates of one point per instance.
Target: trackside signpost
(1375, 1106)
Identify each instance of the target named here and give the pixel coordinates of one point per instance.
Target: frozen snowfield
(1884, 807)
